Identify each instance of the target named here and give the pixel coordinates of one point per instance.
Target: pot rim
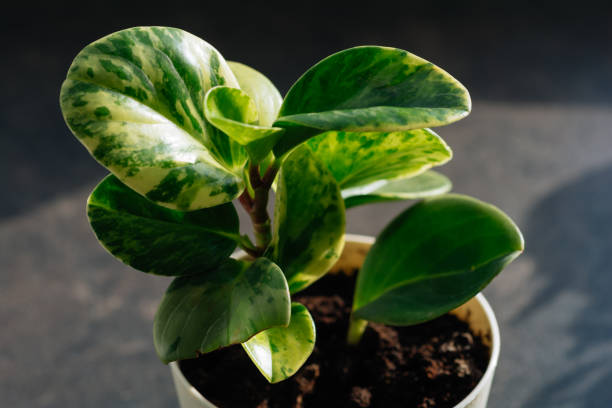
(486, 379)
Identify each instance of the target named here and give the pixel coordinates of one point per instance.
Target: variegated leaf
(309, 219)
(280, 351)
(158, 240)
(424, 185)
(235, 113)
(226, 306)
(370, 88)
(358, 159)
(135, 100)
(263, 92)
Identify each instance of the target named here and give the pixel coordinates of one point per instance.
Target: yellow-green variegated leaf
(424, 185)
(159, 240)
(309, 219)
(263, 92)
(235, 113)
(226, 306)
(360, 160)
(279, 352)
(135, 100)
(370, 89)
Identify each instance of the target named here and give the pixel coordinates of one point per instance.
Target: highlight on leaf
(424, 185)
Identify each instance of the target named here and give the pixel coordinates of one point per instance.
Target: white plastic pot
(477, 313)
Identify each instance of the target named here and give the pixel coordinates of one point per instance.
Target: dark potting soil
(434, 364)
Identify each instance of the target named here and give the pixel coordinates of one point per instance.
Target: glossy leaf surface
(263, 92)
(135, 100)
(235, 113)
(228, 305)
(424, 185)
(432, 258)
(309, 219)
(370, 88)
(280, 351)
(158, 240)
(358, 159)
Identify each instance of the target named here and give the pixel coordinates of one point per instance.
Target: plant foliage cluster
(186, 134)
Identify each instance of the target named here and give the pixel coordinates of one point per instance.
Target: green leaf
(268, 101)
(235, 113)
(135, 100)
(158, 240)
(370, 88)
(228, 305)
(309, 219)
(432, 258)
(358, 159)
(279, 352)
(424, 185)
(263, 92)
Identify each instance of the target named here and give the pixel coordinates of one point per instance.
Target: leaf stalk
(356, 329)
(257, 207)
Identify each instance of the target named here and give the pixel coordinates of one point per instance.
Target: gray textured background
(76, 323)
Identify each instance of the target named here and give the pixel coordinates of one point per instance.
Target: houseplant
(184, 133)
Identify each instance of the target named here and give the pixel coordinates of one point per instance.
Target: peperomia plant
(186, 134)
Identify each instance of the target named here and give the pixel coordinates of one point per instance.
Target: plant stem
(248, 247)
(257, 206)
(356, 329)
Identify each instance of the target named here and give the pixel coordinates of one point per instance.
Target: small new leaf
(235, 113)
(261, 90)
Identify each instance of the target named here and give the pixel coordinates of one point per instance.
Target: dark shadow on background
(570, 237)
(512, 51)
